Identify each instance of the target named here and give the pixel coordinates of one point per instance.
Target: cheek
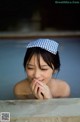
(48, 74)
(29, 73)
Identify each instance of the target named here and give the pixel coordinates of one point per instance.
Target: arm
(66, 89)
(18, 93)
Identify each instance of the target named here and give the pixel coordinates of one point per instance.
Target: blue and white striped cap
(47, 44)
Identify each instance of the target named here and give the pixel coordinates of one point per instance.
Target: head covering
(47, 44)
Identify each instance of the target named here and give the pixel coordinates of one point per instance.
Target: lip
(38, 80)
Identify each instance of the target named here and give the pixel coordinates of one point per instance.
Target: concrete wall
(11, 64)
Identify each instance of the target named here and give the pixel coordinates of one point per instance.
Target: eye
(30, 68)
(44, 69)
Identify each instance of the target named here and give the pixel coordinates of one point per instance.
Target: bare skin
(39, 83)
(58, 88)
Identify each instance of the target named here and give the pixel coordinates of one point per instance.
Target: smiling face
(42, 73)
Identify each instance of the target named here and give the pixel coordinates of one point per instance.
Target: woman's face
(43, 74)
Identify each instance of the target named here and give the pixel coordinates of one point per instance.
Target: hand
(40, 90)
(35, 87)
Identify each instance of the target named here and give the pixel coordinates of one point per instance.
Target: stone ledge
(54, 110)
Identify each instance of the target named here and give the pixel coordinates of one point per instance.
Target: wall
(11, 64)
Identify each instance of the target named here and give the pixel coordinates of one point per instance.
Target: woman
(41, 62)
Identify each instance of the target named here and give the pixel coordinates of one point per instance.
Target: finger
(42, 84)
(45, 93)
(37, 91)
(36, 87)
(40, 95)
(33, 85)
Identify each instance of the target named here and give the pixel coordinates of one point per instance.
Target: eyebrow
(33, 65)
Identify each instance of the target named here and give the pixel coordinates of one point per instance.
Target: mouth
(38, 80)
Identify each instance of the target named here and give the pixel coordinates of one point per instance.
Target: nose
(37, 74)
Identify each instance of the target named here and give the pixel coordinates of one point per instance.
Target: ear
(55, 71)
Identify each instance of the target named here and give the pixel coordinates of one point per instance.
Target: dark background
(55, 16)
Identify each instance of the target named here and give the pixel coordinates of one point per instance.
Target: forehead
(37, 59)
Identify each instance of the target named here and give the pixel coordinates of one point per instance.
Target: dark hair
(49, 58)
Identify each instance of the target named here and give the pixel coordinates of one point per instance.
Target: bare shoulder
(62, 88)
(20, 84)
(61, 82)
(20, 87)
